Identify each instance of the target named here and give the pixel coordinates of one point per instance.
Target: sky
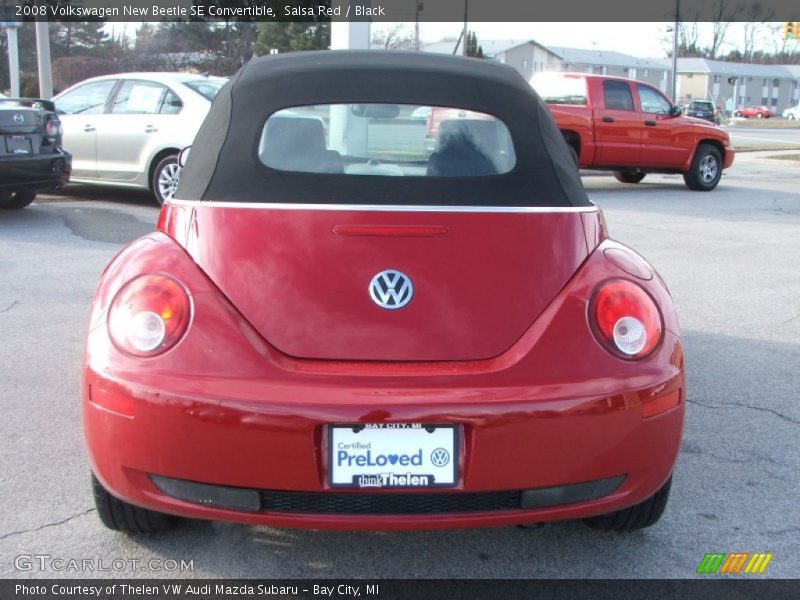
(646, 40)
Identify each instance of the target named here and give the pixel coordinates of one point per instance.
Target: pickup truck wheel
(122, 516)
(706, 169)
(629, 176)
(639, 516)
(15, 201)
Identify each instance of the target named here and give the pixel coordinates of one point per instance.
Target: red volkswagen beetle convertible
(342, 324)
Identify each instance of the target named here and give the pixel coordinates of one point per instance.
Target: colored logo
(736, 562)
(391, 289)
(368, 459)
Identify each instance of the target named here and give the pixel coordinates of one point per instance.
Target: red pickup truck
(630, 127)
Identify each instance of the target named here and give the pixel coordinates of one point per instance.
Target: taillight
(149, 315)
(53, 129)
(625, 319)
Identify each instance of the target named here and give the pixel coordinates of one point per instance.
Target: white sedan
(127, 129)
(793, 112)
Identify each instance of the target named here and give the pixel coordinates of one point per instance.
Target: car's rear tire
(119, 515)
(15, 201)
(738, 113)
(706, 169)
(165, 178)
(639, 516)
(629, 176)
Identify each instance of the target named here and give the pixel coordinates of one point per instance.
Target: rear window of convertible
(386, 140)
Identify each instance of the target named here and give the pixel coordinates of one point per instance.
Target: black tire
(629, 176)
(639, 516)
(738, 113)
(15, 201)
(122, 516)
(166, 168)
(706, 169)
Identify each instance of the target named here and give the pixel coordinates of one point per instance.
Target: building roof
(607, 58)
(721, 67)
(610, 58)
(490, 47)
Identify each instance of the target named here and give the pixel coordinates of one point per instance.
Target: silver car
(127, 129)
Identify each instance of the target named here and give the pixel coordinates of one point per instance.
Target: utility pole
(674, 89)
(417, 8)
(464, 33)
(43, 59)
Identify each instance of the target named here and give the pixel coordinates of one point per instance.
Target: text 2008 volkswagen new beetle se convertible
(349, 318)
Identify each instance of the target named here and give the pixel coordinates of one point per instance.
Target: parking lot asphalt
(730, 258)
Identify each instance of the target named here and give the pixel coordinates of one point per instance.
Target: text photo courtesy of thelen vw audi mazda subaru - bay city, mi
(353, 284)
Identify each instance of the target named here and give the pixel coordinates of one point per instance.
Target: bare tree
(755, 16)
(783, 49)
(689, 39)
(722, 15)
(399, 37)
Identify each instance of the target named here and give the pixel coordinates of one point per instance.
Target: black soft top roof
(224, 163)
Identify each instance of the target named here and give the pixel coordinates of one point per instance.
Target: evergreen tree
(87, 37)
(473, 48)
(289, 37)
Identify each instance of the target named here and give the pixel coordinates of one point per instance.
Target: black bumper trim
(382, 503)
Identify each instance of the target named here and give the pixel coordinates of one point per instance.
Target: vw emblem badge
(440, 457)
(19, 119)
(391, 289)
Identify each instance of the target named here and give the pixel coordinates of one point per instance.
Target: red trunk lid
(302, 277)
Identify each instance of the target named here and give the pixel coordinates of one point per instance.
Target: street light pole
(675, 52)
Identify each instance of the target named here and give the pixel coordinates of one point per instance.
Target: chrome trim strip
(386, 207)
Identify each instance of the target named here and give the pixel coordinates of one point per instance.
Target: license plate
(393, 455)
(18, 144)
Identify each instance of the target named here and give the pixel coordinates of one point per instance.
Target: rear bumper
(224, 408)
(35, 173)
(514, 441)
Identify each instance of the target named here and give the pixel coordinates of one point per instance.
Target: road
(730, 258)
(751, 136)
